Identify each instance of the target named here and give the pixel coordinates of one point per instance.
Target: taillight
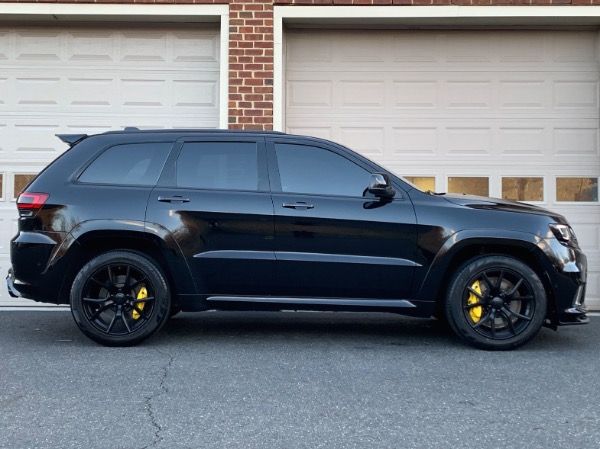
(30, 202)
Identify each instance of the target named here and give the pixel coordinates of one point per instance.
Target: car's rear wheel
(496, 302)
(120, 298)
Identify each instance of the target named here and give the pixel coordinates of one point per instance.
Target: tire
(496, 302)
(120, 298)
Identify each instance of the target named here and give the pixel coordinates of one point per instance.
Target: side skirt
(339, 302)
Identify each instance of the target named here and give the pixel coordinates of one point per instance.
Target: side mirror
(381, 186)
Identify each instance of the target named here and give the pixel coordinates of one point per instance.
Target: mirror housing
(381, 186)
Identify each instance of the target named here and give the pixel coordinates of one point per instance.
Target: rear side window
(131, 164)
(218, 165)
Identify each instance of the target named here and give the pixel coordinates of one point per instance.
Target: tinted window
(133, 164)
(307, 169)
(218, 165)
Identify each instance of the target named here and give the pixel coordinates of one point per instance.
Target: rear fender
(106, 235)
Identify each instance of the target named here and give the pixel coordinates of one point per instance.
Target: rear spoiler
(71, 139)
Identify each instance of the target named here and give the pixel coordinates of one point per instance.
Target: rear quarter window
(130, 164)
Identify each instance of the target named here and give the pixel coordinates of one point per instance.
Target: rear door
(214, 202)
(332, 238)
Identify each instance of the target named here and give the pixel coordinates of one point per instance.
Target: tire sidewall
(454, 302)
(162, 301)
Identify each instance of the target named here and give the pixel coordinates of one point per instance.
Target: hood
(482, 202)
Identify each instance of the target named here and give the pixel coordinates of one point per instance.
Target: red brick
(263, 15)
(263, 44)
(252, 112)
(264, 120)
(253, 51)
(254, 66)
(253, 82)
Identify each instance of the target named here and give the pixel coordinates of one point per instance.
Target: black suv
(131, 227)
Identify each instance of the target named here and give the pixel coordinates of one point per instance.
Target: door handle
(173, 199)
(301, 205)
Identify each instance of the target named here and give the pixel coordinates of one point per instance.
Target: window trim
(168, 178)
(458, 175)
(557, 202)
(104, 149)
(275, 175)
(545, 192)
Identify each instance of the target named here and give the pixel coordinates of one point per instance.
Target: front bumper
(576, 314)
(568, 280)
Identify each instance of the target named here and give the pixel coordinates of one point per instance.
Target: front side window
(218, 165)
(313, 170)
(132, 164)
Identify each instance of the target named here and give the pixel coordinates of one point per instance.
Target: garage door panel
(115, 92)
(446, 50)
(137, 48)
(498, 96)
(90, 80)
(452, 104)
(543, 143)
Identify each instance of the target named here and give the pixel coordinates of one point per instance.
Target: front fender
(430, 281)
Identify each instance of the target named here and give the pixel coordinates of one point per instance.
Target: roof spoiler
(71, 139)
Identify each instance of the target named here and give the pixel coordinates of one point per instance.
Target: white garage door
(511, 114)
(90, 80)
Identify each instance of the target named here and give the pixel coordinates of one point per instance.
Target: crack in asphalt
(162, 389)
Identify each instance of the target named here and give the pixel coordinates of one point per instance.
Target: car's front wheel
(496, 302)
(120, 298)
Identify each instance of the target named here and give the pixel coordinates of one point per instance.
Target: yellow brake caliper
(143, 293)
(475, 312)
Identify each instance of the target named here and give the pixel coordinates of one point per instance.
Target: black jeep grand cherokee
(131, 227)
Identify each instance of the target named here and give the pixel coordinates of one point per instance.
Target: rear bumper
(36, 272)
(10, 284)
(21, 290)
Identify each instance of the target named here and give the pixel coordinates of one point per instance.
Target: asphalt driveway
(294, 380)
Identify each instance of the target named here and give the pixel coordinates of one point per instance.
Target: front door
(332, 238)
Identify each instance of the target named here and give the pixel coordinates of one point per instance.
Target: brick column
(251, 64)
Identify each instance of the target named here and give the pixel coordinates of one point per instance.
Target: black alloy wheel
(120, 298)
(496, 302)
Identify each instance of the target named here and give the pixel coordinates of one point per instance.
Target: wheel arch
(89, 239)
(466, 245)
